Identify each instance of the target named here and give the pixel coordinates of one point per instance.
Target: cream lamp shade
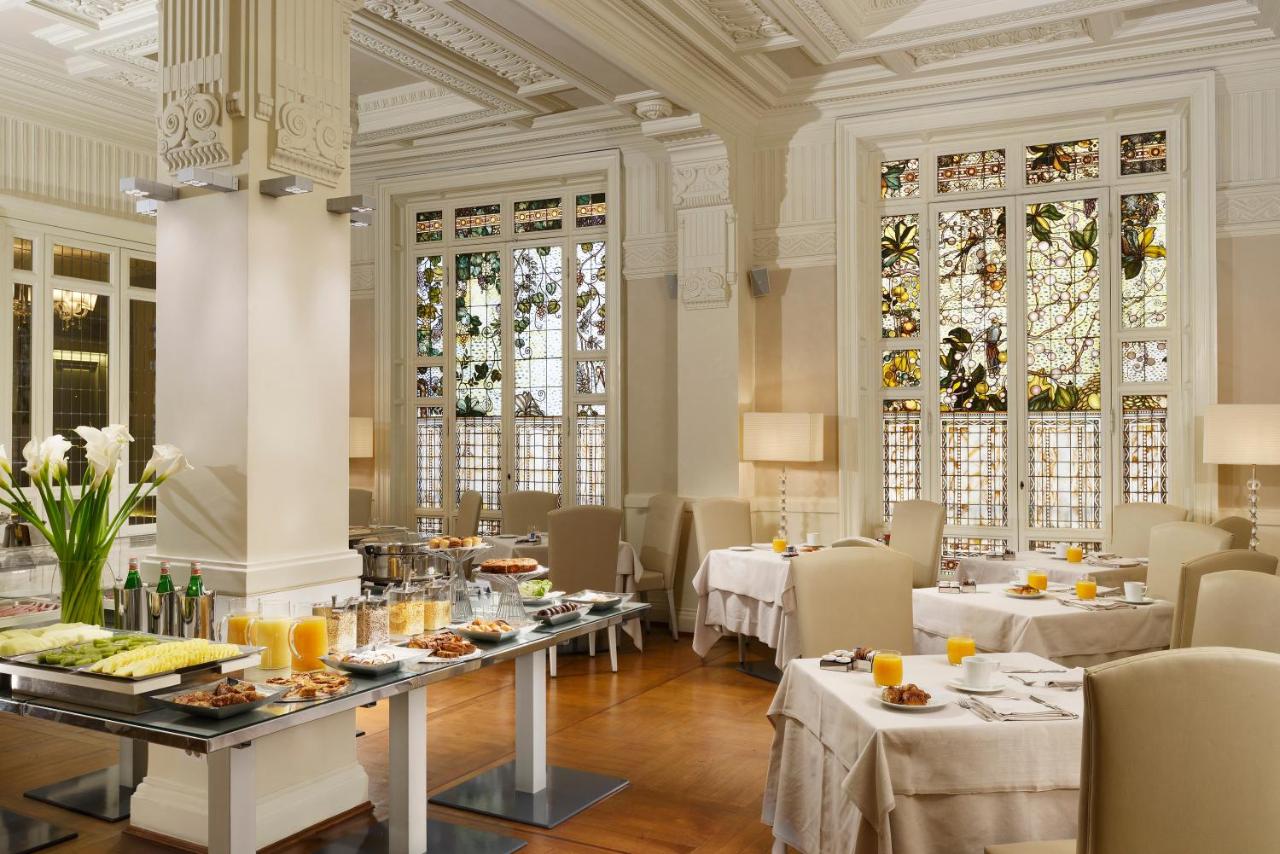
(361, 438)
(784, 437)
(1242, 434)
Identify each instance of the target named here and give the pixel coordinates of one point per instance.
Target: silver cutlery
(1035, 671)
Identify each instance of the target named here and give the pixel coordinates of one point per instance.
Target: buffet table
(850, 775)
(748, 591)
(995, 570)
(228, 745)
(1044, 626)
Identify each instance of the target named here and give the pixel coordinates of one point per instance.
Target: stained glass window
(1145, 468)
(22, 254)
(973, 310)
(591, 291)
(478, 329)
(537, 343)
(430, 325)
(592, 460)
(430, 381)
(81, 387)
(900, 452)
(1144, 362)
(1063, 161)
(22, 294)
(975, 459)
(430, 524)
(900, 276)
(1143, 153)
(78, 263)
(142, 395)
(1064, 469)
(537, 215)
(971, 170)
(429, 226)
(477, 221)
(900, 179)
(478, 459)
(972, 546)
(589, 376)
(430, 456)
(590, 210)
(1144, 294)
(142, 274)
(900, 369)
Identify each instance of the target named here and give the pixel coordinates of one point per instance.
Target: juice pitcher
(270, 629)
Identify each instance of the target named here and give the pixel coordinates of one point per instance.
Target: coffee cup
(811, 538)
(1060, 550)
(1135, 591)
(979, 671)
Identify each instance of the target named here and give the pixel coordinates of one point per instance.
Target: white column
(231, 801)
(531, 722)
(407, 753)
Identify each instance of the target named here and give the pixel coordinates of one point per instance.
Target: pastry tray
(167, 701)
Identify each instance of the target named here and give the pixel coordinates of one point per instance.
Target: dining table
(746, 590)
(994, 568)
(1056, 625)
(848, 773)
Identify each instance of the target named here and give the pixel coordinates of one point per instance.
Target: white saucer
(742, 548)
(933, 704)
(957, 685)
(1146, 600)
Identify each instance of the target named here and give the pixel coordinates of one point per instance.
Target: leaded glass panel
(430, 381)
(591, 292)
(142, 384)
(1064, 469)
(1063, 161)
(428, 226)
(537, 335)
(1143, 153)
(592, 458)
(430, 524)
(589, 376)
(972, 546)
(430, 443)
(900, 276)
(430, 324)
(1144, 362)
(900, 369)
(478, 459)
(21, 424)
(1145, 468)
(590, 210)
(975, 459)
(23, 257)
(81, 390)
(537, 215)
(539, 451)
(900, 179)
(971, 171)
(77, 263)
(477, 221)
(478, 329)
(973, 310)
(900, 452)
(142, 274)
(1144, 294)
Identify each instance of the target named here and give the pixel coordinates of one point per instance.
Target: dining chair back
(1172, 545)
(1241, 530)
(719, 523)
(524, 510)
(1131, 526)
(584, 547)
(916, 531)
(856, 542)
(660, 551)
(469, 507)
(1194, 571)
(1238, 608)
(359, 506)
(847, 598)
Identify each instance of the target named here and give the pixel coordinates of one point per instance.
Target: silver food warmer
(395, 557)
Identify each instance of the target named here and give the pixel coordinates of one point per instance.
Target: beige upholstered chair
(1172, 545)
(1238, 608)
(719, 523)
(1240, 530)
(1194, 571)
(1174, 762)
(359, 506)
(853, 597)
(1131, 526)
(524, 510)
(916, 531)
(854, 542)
(659, 554)
(584, 554)
(468, 515)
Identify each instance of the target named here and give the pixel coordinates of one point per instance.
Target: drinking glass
(1075, 554)
(958, 647)
(1038, 579)
(886, 668)
(779, 544)
(1086, 587)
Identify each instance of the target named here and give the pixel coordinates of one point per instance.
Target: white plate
(933, 705)
(743, 548)
(1146, 600)
(957, 685)
(1023, 595)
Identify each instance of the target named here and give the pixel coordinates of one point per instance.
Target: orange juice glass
(1086, 587)
(1038, 579)
(958, 646)
(308, 642)
(886, 668)
(1075, 554)
(779, 544)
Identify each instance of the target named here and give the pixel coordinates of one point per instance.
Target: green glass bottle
(132, 581)
(195, 587)
(165, 584)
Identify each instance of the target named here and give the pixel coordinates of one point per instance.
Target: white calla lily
(103, 449)
(47, 461)
(6, 467)
(165, 462)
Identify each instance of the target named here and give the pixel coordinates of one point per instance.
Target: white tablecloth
(1069, 636)
(629, 569)
(847, 774)
(988, 570)
(748, 592)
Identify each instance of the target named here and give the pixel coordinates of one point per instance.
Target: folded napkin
(1115, 562)
(1073, 678)
(1096, 604)
(1018, 709)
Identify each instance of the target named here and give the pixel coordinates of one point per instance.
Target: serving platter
(401, 655)
(220, 713)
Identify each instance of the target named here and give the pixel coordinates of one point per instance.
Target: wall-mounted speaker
(759, 281)
(673, 285)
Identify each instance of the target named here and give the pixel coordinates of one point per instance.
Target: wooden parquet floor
(693, 739)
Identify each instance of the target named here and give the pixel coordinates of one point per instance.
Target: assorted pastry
(312, 686)
(554, 611)
(442, 644)
(230, 692)
(368, 657)
(490, 627)
(454, 542)
(509, 565)
(909, 694)
(591, 597)
(1023, 590)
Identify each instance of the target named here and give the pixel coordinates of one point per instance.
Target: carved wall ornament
(189, 131)
(654, 108)
(705, 288)
(308, 141)
(1042, 34)
(700, 184)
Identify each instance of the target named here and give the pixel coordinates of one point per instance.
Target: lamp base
(1254, 486)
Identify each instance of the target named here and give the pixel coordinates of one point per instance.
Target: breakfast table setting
(992, 755)
(1106, 569)
(746, 590)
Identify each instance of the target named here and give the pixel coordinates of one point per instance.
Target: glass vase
(81, 591)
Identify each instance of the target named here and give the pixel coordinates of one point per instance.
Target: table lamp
(360, 438)
(1242, 434)
(782, 437)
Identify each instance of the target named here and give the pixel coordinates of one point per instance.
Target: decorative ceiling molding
(745, 23)
(820, 20)
(434, 24)
(88, 11)
(1037, 35)
(377, 45)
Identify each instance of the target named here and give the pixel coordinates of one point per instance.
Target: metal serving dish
(598, 600)
(402, 655)
(167, 700)
(567, 617)
(395, 557)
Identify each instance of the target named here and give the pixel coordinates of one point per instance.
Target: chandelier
(72, 307)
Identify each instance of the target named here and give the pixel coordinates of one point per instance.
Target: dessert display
(509, 565)
(554, 610)
(368, 657)
(21, 641)
(154, 659)
(1023, 590)
(91, 652)
(909, 694)
(444, 644)
(455, 542)
(318, 685)
(230, 692)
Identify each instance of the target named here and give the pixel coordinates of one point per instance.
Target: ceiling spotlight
(286, 185)
(354, 204)
(141, 188)
(194, 176)
(146, 207)
(361, 219)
